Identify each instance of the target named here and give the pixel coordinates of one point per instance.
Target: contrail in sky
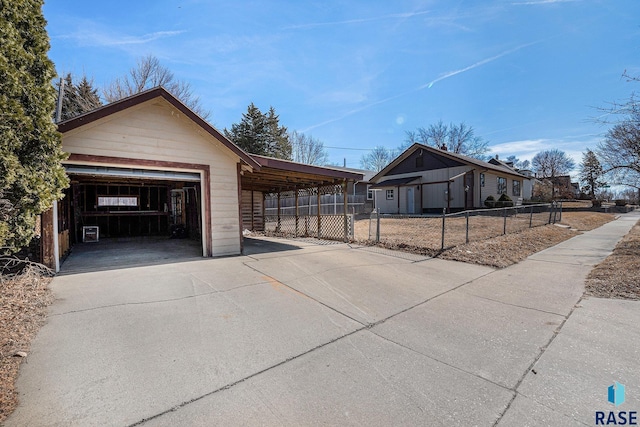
(356, 21)
(425, 86)
(477, 64)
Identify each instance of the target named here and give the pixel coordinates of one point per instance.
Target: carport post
(278, 210)
(344, 214)
(319, 218)
(297, 210)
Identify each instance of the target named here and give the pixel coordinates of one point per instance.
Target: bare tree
(307, 149)
(377, 159)
(552, 163)
(149, 73)
(459, 139)
(619, 153)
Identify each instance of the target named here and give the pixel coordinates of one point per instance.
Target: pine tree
(591, 173)
(31, 173)
(261, 134)
(78, 99)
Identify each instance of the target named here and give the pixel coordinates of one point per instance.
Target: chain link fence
(330, 227)
(436, 233)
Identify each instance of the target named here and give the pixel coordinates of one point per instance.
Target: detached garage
(149, 166)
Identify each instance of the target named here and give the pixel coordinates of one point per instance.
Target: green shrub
(490, 202)
(504, 202)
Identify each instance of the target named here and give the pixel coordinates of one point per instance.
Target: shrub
(504, 202)
(490, 202)
(621, 202)
(596, 203)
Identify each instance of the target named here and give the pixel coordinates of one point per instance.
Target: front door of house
(468, 189)
(411, 201)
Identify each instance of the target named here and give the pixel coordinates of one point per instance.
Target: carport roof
(276, 175)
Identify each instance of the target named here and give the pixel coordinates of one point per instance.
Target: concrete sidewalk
(335, 335)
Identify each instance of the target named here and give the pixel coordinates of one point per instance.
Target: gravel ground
(618, 276)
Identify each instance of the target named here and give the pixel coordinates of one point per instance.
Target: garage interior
(130, 210)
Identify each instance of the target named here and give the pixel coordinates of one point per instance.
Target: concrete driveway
(296, 333)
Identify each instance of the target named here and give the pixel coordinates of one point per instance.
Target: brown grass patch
(24, 298)
(488, 246)
(617, 275)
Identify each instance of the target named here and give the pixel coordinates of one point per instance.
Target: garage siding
(155, 130)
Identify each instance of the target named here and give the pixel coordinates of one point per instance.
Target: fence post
(444, 213)
(531, 217)
(466, 214)
(504, 216)
(344, 208)
(377, 226)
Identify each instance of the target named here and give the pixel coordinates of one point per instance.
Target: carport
(285, 178)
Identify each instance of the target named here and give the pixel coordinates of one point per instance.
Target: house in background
(361, 190)
(424, 179)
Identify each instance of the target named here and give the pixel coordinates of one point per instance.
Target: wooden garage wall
(252, 219)
(155, 130)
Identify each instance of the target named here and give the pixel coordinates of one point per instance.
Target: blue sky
(525, 74)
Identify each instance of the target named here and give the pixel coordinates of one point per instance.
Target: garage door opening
(111, 212)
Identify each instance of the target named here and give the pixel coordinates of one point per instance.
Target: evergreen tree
(591, 173)
(261, 134)
(78, 99)
(31, 173)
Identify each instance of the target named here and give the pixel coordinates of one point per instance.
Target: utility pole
(60, 98)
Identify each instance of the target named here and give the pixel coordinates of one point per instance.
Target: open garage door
(129, 206)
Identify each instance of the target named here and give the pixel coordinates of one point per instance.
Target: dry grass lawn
(487, 244)
(23, 305)
(618, 276)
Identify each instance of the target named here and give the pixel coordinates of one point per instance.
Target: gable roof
(459, 157)
(147, 95)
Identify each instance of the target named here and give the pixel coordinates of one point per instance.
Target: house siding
(155, 130)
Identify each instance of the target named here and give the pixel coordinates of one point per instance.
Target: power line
(347, 148)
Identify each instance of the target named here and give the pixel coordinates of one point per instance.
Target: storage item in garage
(90, 233)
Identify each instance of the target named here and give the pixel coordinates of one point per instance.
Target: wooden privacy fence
(448, 230)
(330, 227)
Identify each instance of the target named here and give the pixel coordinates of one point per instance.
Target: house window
(390, 194)
(481, 180)
(516, 188)
(369, 192)
(419, 162)
(502, 185)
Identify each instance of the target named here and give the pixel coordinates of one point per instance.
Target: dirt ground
(23, 305)
(618, 276)
(487, 244)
